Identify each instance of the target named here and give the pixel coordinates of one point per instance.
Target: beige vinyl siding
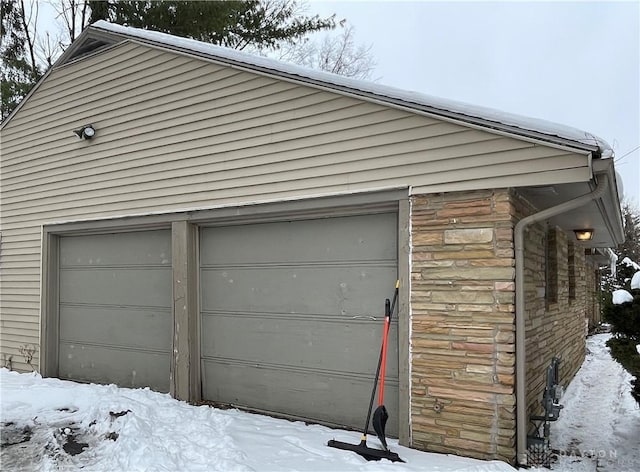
(176, 132)
(233, 182)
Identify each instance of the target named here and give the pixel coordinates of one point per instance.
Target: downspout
(613, 261)
(521, 369)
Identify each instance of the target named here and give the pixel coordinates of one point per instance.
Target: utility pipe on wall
(521, 364)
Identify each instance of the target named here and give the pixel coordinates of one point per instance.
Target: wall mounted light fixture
(584, 234)
(86, 132)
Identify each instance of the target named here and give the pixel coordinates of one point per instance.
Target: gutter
(521, 369)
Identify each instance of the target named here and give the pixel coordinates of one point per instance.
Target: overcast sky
(577, 64)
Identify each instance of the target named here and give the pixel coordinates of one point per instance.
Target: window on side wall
(571, 265)
(551, 266)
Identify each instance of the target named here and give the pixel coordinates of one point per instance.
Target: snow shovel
(362, 449)
(380, 416)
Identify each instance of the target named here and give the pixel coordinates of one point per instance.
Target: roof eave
(610, 203)
(64, 57)
(89, 33)
(6, 121)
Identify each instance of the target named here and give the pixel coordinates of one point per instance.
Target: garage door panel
(117, 323)
(292, 315)
(123, 367)
(114, 309)
(316, 396)
(350, 238)
(128, 286)
(318, 344)
(331, 290)
(131, 249)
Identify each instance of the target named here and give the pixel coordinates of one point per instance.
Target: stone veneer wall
(553, 328)
(462, 324)
(463, 315)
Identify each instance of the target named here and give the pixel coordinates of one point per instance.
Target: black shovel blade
(380, 417)
(365, 451)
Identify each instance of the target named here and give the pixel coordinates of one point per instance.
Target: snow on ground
(50, 424)
(599, 427)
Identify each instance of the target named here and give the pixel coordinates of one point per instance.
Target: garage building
(227, 228)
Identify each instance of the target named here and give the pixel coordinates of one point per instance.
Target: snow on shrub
(621, 296)
(629, 263)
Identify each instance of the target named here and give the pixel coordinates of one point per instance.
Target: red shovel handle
(385, 338)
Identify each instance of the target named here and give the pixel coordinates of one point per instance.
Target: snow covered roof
(481, 116)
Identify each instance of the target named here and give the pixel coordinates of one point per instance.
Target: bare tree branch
(48, 48)
(83, 17)
(336, 54)
(74, 14)
(29, 20)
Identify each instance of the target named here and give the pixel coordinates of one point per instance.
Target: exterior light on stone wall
(584, 234)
